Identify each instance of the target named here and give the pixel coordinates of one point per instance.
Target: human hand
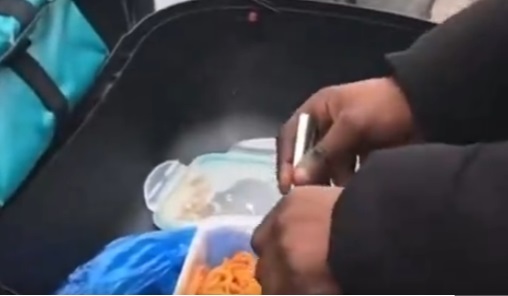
(352, 119)
(292, 243)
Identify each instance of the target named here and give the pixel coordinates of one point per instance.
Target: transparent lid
(166, 174)
(241, 181)
(255, 146)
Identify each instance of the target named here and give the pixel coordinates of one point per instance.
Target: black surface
(205, 78)
(113, 18)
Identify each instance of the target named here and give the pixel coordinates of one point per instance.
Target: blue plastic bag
(139, 264)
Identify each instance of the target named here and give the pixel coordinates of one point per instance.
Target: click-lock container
(240, 181)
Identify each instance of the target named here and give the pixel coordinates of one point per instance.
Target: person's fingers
(343, 171)
(332, 155)
(264, 243)
(318, 107)
(267, 272)
(311, 170)
(262, 274)
(285, 150)
(263, 233)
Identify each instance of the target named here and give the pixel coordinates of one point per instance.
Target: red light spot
(253, 17)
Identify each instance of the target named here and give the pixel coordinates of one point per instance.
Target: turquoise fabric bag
(49, 56)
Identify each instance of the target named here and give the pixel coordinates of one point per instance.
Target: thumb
(333, 153)
(312, 168)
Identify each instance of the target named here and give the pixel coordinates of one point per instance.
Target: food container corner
(216, 238)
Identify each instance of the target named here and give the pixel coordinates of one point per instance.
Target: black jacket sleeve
(424, 219)
(456, 76)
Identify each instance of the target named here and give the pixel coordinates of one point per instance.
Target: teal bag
(49, 56)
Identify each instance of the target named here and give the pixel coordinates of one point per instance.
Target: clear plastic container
(163, 177)
(241, 181)
(218, 184)
(216, 238)
(264, 146)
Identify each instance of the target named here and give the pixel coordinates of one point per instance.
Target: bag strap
(28, 68)
(30, 71)
(23, 11)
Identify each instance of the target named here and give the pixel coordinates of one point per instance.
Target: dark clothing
(433, 218)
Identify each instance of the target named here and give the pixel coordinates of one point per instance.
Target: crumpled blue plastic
(149, 263)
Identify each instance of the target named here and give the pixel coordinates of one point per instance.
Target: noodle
(234, 276)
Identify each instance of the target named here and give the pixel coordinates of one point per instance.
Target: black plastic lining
(190, 79)
(110, 19)
(127, 45)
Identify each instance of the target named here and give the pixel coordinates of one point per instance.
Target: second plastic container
(216, 238)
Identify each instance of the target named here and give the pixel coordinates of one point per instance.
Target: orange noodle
(235, 276)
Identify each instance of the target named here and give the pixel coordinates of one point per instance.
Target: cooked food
(235, 276)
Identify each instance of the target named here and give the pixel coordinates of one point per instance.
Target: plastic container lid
(241, 181)
(218, 184)
(165, 174)
(261, 145)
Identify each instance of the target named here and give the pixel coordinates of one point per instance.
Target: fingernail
(284, 181)
(283, 189)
